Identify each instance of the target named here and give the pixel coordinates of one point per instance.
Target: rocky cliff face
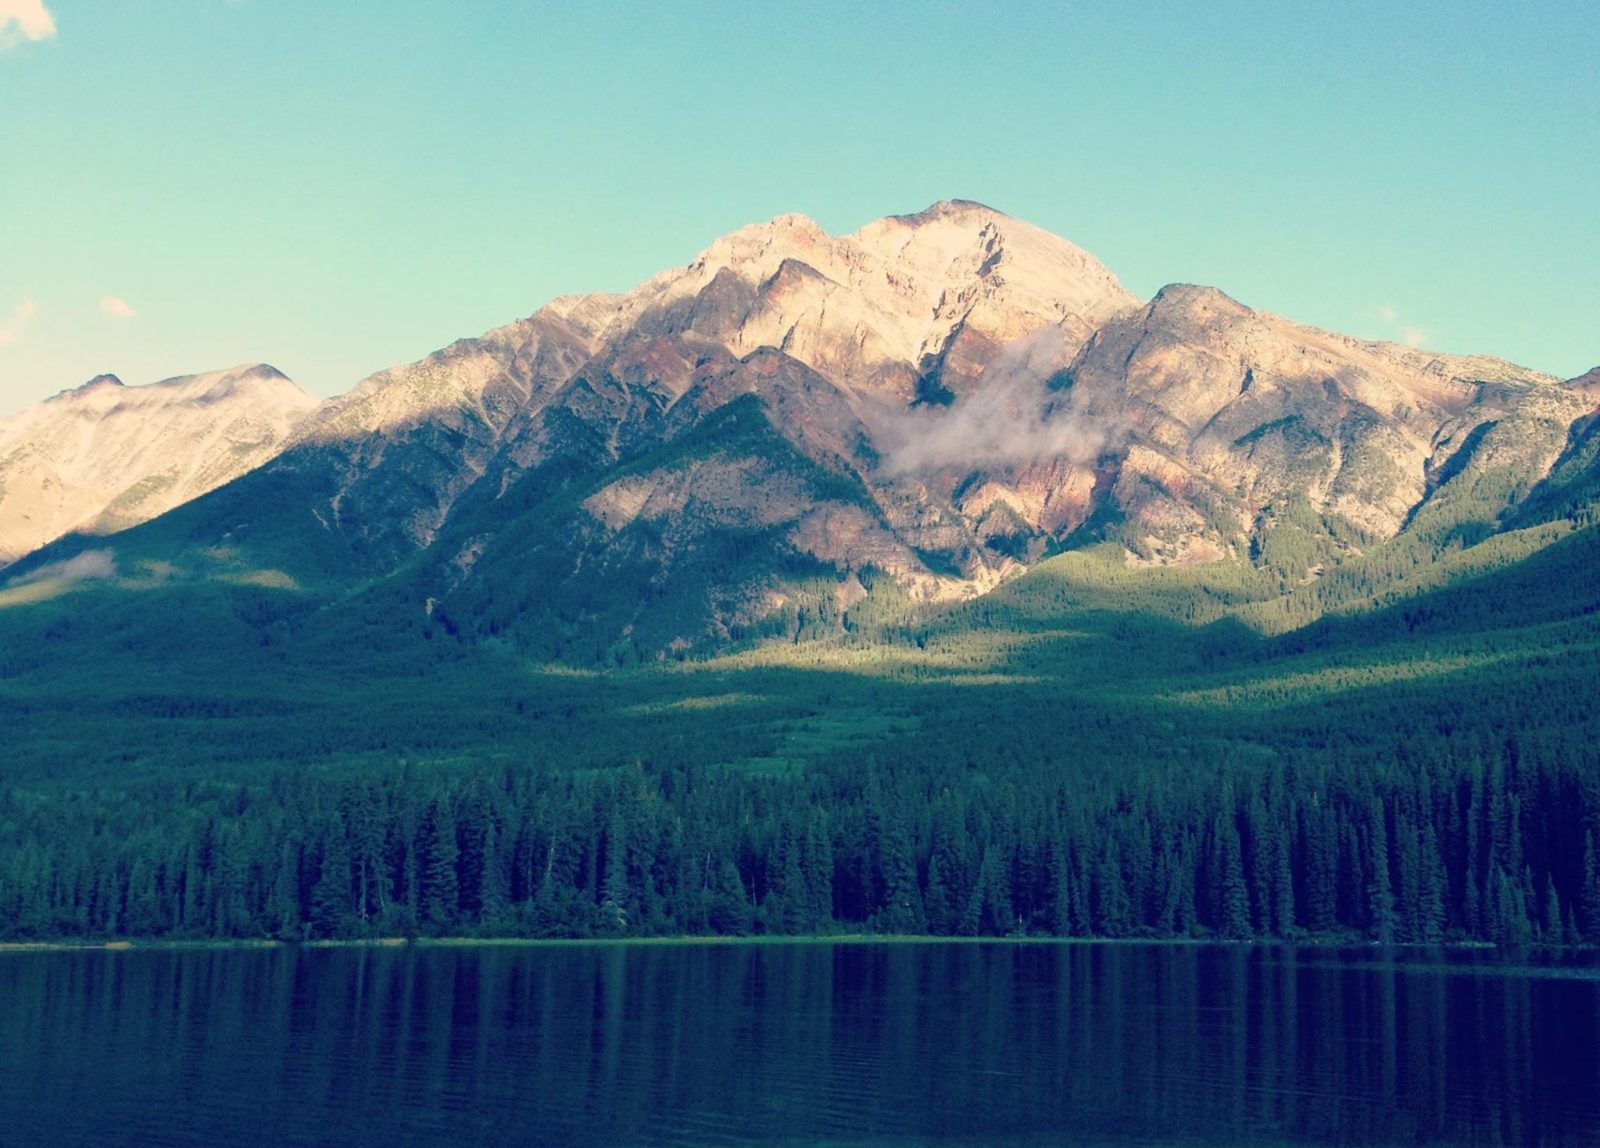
(1207, 419)
(934, 402)
(106, 456)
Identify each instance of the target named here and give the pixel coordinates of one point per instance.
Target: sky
(334, 188)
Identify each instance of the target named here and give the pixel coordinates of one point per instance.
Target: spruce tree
(1589, 911)
(1233, 898)
(437, 850)
(1381, 916)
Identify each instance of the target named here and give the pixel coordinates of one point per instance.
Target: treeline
(1498, 846)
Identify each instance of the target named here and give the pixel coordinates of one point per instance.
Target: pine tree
(818, 865)
(902, 900)
(1381, 917)
(996, 882)
(330, 896)
(143, 917)
(946, 901)
(1113, 910)
(791, 890)
(492, 892)
(1589, 911)
(1321, 880)
(283, 902)
(437, 851)
(1233, 898)
(1185, 890)
(615, 892)
(1061, 916)
(728, 911)
(1430, 921)
(1550, 927)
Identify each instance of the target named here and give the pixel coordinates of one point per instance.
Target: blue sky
(337, 187)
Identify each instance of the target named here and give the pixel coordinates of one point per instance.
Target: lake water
(847, 1044)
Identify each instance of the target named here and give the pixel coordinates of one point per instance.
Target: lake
(798, 1044)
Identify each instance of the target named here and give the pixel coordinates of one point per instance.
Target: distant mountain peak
(104, 455)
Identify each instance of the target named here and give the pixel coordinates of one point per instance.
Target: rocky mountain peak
(104, 455)
(1196, 299)
(756, 249)
(953, 209)
(1587, 385)
(903, 306)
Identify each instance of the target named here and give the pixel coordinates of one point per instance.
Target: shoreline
(123, 945)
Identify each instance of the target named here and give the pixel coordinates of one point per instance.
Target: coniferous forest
(1500, 850)
(1053, 760)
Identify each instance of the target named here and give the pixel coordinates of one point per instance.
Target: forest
(1502, 849)
(1084, 753)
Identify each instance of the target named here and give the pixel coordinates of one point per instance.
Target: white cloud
(116, 308)
(1013, 419)
(1399, 329)
(89, 564)
(22, 21)
(14, 324)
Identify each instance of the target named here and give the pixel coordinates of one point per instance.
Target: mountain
(795, 428)
(105, 456)
(1217, 417)
(916, 580)
(906, 307)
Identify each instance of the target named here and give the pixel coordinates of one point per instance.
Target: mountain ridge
(978, 393)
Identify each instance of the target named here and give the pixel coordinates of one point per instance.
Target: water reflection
(795, 1044)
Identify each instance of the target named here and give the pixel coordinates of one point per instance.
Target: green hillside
(1091, 749)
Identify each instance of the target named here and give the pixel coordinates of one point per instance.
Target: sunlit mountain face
(797, 431)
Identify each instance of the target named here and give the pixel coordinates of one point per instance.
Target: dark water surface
(797, 1044)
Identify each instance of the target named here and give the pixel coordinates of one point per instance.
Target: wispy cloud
(1401, 330)
(24, 21)
(15, 324)
(116, 308)
(89, 564)
(1011, 420)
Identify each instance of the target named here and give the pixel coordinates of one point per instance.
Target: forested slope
(1079, 753)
